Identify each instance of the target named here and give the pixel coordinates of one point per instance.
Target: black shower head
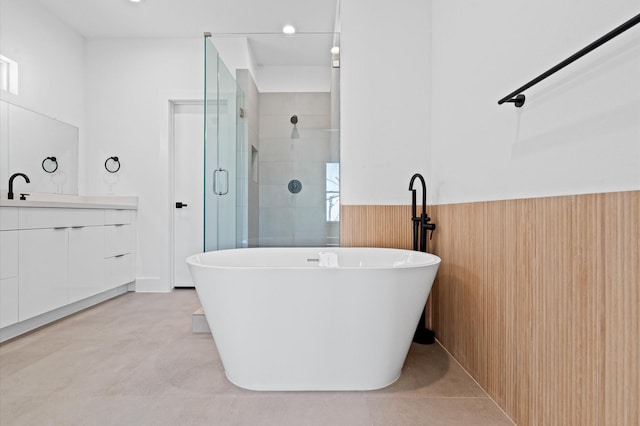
(294, 119)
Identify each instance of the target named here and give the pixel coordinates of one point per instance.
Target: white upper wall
(579, 130)
(407, 105)
(129, 85)
(385, 80)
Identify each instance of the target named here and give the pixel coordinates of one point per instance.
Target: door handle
(180, 205)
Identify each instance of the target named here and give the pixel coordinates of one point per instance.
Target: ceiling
(191, 18)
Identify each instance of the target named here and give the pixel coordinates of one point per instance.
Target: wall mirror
(28, 137)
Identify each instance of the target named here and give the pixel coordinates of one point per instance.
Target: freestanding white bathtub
(313, 318)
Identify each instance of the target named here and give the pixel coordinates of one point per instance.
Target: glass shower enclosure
(221, 114)
(272, 166)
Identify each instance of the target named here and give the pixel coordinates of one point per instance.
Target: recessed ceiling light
(335, 50)
(136, 1)
(288, 29)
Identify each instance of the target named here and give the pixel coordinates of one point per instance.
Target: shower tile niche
(299, 152)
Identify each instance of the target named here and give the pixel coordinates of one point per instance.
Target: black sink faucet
(13, 176)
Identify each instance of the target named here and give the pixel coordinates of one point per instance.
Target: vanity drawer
(8, 218)
(119, 270)
(118, 239)
(118, 217)
(35, 218)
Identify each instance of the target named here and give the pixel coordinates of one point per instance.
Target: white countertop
(71, 201)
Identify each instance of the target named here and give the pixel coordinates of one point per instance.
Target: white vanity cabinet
(58, 260)
(60, 257)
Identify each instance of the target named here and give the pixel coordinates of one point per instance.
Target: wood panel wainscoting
(538, 299)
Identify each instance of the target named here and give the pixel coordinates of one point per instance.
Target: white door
(188, 228)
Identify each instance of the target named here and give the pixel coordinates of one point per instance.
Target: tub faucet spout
(421, 223)
(13, 176)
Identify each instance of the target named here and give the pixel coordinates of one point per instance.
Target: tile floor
(134, 361)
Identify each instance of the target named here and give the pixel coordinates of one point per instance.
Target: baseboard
(151, 285)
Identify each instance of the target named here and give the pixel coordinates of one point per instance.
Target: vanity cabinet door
(8, 254)
(43, 271)
(8, 278)
(86, 262)
(8, 301)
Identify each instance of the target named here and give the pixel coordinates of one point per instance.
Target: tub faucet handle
(431, 227)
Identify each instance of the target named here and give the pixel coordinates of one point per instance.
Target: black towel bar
(518, 98)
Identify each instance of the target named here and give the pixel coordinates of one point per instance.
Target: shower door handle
(216, 180)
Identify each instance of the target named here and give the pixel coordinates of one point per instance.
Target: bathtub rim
(435, 260)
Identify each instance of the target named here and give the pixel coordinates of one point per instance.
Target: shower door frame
(220, 232)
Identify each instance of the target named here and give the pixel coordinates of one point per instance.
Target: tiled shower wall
(536, 298)
(295, 219)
